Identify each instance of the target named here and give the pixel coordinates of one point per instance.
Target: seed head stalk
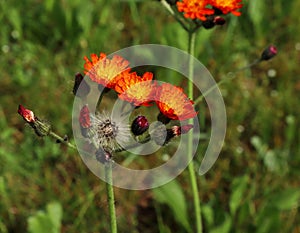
(191, 168)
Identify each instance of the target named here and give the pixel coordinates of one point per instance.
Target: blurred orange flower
(227, 6)
(194, 9)
(102, 70)
(173, 103)
(135, 89)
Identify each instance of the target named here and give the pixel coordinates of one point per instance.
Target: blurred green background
(254, 185)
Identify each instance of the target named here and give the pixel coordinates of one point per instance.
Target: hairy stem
(191, 168)
(61, 140)
(110, 197)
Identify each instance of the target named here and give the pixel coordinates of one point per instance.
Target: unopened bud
(139, 125)
(268, 53)
(103, 156)
(27, 114)
(218, 20)
(84, 89)
(41, 128)
(84, 117)
(163, 118)
(162, 136)
(84, 120)
(177, 130)
(208, 24)
(172, 2)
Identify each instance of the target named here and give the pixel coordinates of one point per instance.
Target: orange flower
(135, 89)
(103, 70)
(227, 6)
(194, 9)
(173, 103)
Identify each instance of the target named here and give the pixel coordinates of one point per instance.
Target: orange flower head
(173, 103)
(227, 6)
(102, 70)
(194, 9)
(135, 89)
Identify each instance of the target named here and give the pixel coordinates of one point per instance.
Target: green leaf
(54, 211)
(238, 188)
(39, 223)
(48, 221)
(208, 214)
(286, 199)
(16, 21)
(84, 16)
(172, 195)
(256, 7)
(224, 227)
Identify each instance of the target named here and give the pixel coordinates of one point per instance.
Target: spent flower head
(104, 131)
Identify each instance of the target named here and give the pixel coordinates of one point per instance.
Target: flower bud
(84, 90)
(27, 114)
(162, 136)
(172, 2)
(41, 128)
(177, 130)
(84, 117)
(208, 24)
(268, 53)
(218, 20)
(84, 120)
(163, 118)
(103, 156)
(139, 125)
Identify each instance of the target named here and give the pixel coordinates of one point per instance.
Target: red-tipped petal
(27, 114)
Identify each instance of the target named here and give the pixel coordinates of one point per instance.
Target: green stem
(62, 140)
(109, 184)
(191, 168)
(231, 75)
(200, 98)
(178, 18)
(110, 197)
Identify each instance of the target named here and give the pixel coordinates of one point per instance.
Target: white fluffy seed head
(109, 132)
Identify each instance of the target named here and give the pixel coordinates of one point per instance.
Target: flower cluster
(138, 90)
(109, 134)
(201, 9)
